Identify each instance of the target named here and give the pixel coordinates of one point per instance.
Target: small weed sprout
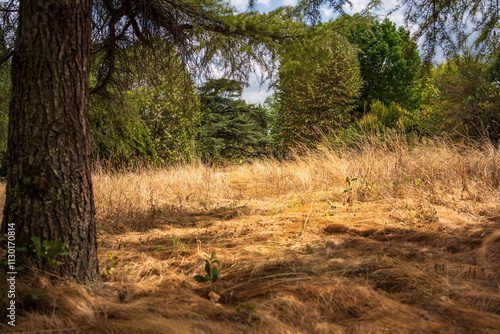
(397, 183)
(178, 245)
(349, 181)
(47, 251)
(246, 313)
(362, 191)
(158, 248)
(35, 295)
(349, 190)
(212, 271)
(330, 207)
(111, 266)
(368, 185)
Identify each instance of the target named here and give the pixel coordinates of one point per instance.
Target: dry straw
(382, 237)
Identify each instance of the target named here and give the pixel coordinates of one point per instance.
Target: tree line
(364, 75)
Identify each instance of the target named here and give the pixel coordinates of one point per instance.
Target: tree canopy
(389, 62)
(449, 25)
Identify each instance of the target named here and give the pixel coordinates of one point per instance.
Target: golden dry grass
(398, 250)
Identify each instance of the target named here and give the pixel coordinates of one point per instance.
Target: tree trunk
(49, 188)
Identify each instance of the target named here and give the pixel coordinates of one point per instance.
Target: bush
(387, 115)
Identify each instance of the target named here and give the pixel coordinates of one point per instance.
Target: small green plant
(330, 207)
(47, 251)
(35, 295)
(212, 271)
(246, 312)
(396, 183)
(349, 181)
(114, 259)
(368, 185)
(349, 190)
(177, 245)
(158, 248)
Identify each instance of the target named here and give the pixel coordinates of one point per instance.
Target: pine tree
(231, 129)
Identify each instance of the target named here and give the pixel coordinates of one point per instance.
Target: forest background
(365, 75)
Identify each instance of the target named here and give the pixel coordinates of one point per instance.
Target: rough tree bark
(49, 188)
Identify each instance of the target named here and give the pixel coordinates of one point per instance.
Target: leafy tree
(231, 128)
(468, 101)
(169, 104)
(150, 112)
(118, 133)
(390, 64)
(319, 83)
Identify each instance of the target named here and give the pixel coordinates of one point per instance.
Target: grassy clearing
(382, 239)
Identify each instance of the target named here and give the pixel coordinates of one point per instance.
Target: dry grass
(398, 250)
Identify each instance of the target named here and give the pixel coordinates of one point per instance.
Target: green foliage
(468, 99)
(449, 24)
(370, 123)
(203, 33)
(349, 181)
(118, 134)
(166, 99)
(212, 272)
(331, 207)
(150, 113)
(177, 245)
(389, 62)
(387, 115)
(246, 313)
(36, 294)
(319, 83)
(230, 128)
(383, 118)
(111, 265)
(47, 251)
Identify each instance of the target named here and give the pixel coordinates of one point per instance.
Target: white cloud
(357, 6)
(327, 12)
(256, 94)
(241, 5)
(264, 2)
(289, 2)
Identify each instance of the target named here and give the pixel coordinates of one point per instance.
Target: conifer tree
(231, 129)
